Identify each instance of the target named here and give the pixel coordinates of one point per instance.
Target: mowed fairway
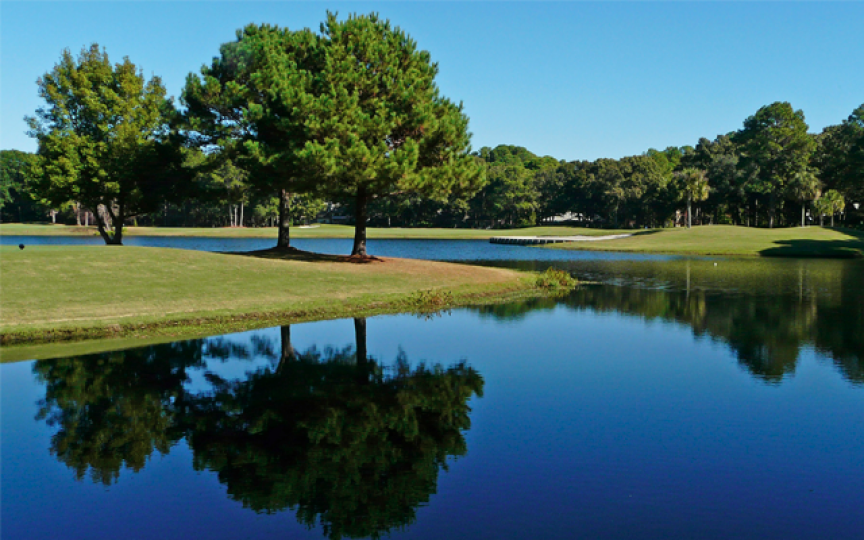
(78, 287)
(731, 240)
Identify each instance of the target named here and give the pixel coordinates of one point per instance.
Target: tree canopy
(252, 104)
(104, 140)
(379, 126)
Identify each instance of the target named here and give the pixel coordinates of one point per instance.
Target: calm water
(682, 399)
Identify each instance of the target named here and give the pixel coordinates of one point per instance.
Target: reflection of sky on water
(593, 424)
(706, 401)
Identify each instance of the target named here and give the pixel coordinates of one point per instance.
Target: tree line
(283, 125)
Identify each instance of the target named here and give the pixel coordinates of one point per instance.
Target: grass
(731, 240)
(75, 292)
(317, 231)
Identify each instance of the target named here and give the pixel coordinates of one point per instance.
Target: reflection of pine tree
(341, 441)
(115, 409)
(332, 434)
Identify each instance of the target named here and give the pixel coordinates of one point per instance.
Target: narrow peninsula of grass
(76, 292)
(313, 231)
(731, 240)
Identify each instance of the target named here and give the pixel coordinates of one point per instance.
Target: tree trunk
(359, 248)
(53, 217)
(118, 226)
(288, 354)
(360, 340)
(78, 213)
(802, 214)
(240, 223)
(689, 215)
(832, 220)
(772, 210)
(283, 239)
(115, 239)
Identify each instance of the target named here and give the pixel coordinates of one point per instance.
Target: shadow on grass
(646, 232)
(849, 248)
(294, 254)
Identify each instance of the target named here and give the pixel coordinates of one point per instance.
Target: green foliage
(252, 102)
(775, 146)
(829, 204)
(17, 200)
(840, 155)
(379, 125)
(556, 280)
(104, 139)
(432, 300)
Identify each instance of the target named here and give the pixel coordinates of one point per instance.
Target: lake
(671, 398)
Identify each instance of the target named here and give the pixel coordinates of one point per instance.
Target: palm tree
(834, 203)
(804, 187)
(695, 187)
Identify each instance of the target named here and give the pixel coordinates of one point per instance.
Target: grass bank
(316, 231)
(79, 292)
(731, 240)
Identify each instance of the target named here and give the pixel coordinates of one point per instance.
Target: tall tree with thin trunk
(104, 140)
(804, 187)
(831, 203)
(252, 102)
(694, 187)
(380, 126)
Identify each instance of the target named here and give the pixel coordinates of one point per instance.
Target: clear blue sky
(572, 80)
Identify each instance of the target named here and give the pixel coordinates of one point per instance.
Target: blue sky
(574, 80)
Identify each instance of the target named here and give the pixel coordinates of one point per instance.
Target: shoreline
(70, 293)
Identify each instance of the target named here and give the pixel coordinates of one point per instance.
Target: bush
(555, 280)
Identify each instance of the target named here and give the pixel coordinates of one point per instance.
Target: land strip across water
(313, 231)
(803, 242)
(701, 240)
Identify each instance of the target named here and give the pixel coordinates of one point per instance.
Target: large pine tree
(379, 125)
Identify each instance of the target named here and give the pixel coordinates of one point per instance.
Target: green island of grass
(731, 240)
(80, 292)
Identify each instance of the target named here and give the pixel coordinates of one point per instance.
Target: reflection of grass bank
(730, 240)
(78, 292)
(318, 231)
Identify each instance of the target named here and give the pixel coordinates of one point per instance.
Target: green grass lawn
(87, 291)
(731, 240)
(316, 231)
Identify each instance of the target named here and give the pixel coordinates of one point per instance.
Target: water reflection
(765, 312)
(334, 435)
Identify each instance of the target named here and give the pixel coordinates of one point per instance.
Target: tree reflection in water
(334, 435)
(765, 312)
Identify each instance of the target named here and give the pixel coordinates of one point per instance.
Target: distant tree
(840, 156)
(104, 140)
(380, 126)
(830, 203)
(693, 187)
(803, 188)
(775, 146)
(17, 201)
